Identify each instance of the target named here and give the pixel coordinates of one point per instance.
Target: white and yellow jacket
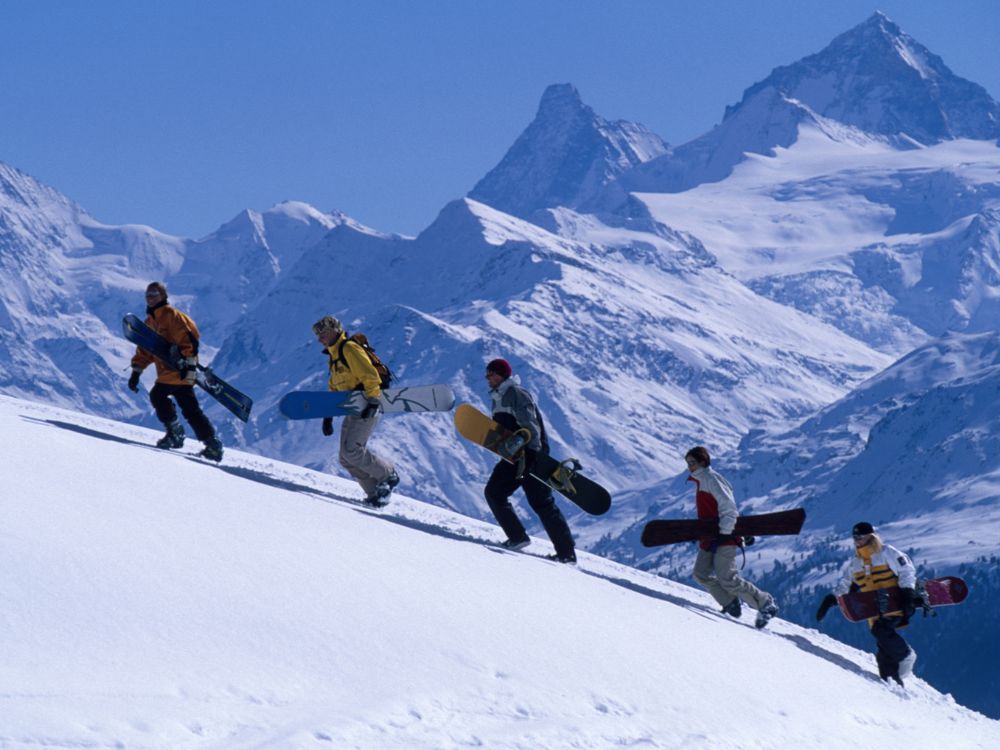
(877, 566)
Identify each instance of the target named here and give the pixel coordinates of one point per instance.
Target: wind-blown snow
(153, 600)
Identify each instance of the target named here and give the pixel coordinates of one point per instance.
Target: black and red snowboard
(934, 592)
(782, 522)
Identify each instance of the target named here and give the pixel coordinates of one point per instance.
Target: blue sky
(180, 114)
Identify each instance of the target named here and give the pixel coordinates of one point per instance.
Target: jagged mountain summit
(565, 157)
(880, 80)
(871, 82)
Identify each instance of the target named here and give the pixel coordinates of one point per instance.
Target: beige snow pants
(367, 468)
(716, 572)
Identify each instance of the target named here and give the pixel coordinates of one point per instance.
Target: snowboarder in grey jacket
(515, 409)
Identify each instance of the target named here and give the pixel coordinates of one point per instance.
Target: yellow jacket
(357, 374)
(178, 329)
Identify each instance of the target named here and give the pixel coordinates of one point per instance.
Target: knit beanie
(501, 367)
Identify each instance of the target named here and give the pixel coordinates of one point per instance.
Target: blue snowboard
(146, 338)
(319, 404)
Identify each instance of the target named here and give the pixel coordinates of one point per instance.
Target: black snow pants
(892, 649)
(159, 397)
(503, 483)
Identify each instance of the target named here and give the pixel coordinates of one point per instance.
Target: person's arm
(362, 367)
(726, 503)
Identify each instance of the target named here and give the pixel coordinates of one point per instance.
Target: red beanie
(501, 367)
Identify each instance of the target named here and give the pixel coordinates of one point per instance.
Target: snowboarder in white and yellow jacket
(877, 565)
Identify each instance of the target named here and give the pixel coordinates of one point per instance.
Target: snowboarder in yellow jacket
(351, 369)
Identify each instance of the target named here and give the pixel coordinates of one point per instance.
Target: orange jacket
(178, 329)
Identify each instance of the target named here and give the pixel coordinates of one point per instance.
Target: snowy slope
(914, 450)
(162, 602)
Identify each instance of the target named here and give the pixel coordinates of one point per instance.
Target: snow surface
(152, 600)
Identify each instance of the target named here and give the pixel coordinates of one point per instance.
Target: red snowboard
(935, 592)
(675, 531)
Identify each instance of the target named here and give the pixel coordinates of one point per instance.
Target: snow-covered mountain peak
(562, 101)
(20, 189)
(565, 156)
(872, 83)
(879, 79)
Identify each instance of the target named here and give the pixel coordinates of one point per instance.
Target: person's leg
(541, 501)
(159, 397)
(191, 409)
(367, 468)
(732, 583)
(892, 649)
(501, 485)
(704, 574)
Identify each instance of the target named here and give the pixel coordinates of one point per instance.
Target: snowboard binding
(209, 382)
(562, 477)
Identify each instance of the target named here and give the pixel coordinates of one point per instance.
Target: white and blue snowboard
(320, 404)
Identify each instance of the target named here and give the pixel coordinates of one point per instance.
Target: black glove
(133, 381)
(909, 601)
(328, 426)
(828, 601)
(372, 409)
(749, 540)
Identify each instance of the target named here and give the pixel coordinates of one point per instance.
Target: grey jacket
(513, 407)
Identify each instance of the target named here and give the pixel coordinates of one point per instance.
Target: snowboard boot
(374, 501)
(213, 449)
(174, 437)
(906, 666)
(733, 609)
(384, 488)
(568, 559)
(515, 544)
(765, 613)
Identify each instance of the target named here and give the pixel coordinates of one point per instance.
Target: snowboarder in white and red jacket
(715, 566)
(876, 565)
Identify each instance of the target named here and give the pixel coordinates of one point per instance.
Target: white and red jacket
(714, 500)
